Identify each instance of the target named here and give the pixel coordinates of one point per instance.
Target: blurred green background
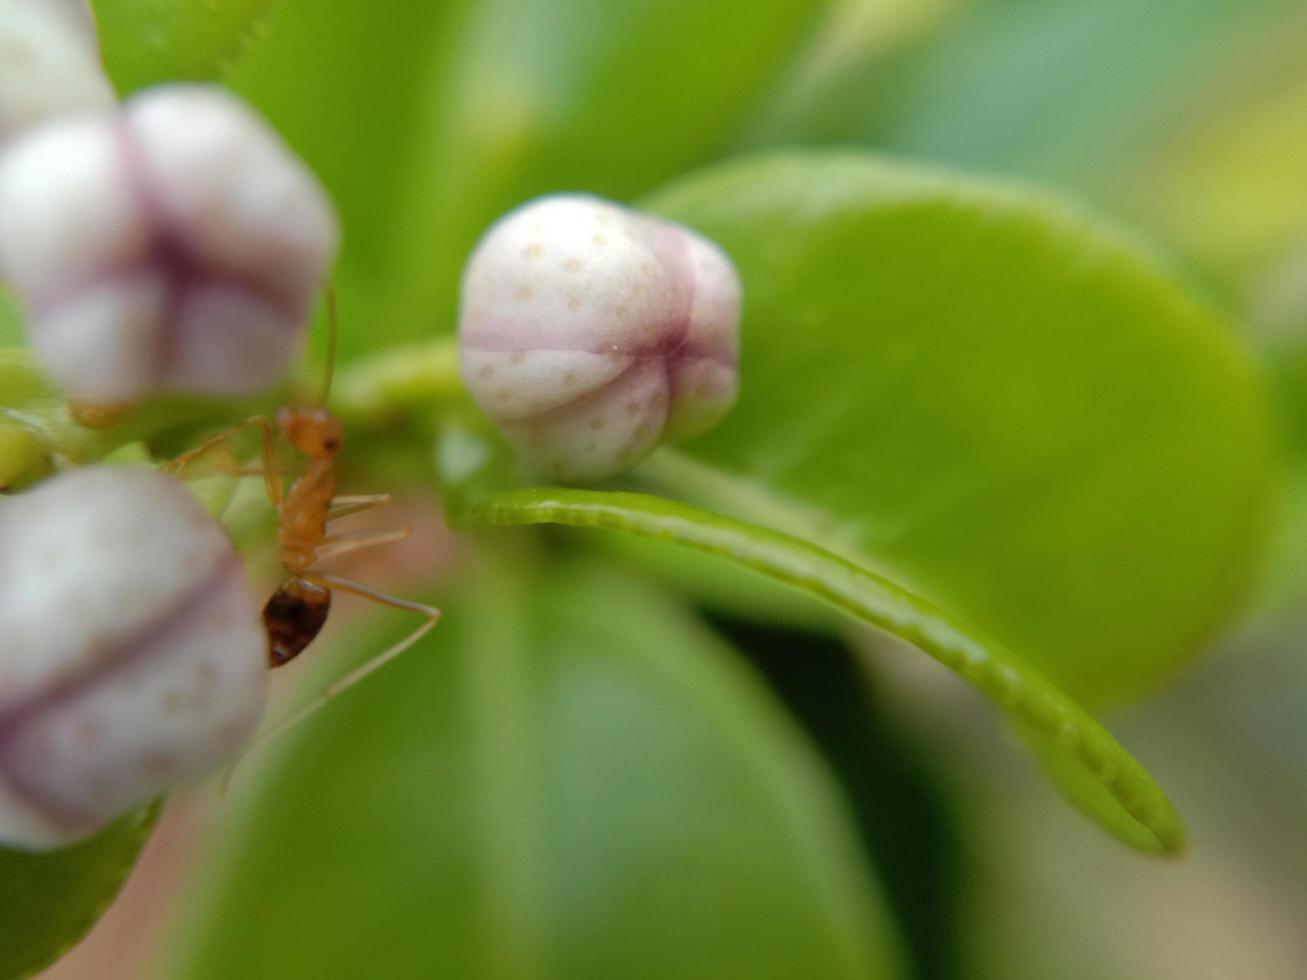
(585, 774)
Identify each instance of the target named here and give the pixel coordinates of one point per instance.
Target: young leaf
(569, 778)
(148, 41)
(1007, 405)
(48, 901)
(1124, 799)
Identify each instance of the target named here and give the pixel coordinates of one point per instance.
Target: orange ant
(297, 610)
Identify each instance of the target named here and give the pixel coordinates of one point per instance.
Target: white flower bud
(49, 62)
(176, 244)
(131, 650)
(590, 333)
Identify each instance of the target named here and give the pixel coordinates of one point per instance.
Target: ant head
(313, 431)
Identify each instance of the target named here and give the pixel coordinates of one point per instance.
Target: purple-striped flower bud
(131, 651)
(590, 333)
(175, 244)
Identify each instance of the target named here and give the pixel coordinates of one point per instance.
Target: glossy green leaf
(568, 778)
(1101, 777)
(1001, 403)
(150, 41)
(1222, 184)
(48, 901)
(549, 95)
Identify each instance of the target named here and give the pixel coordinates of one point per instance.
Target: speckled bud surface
(175, 244)
(590, 333)
(49, 62)
(132, 655)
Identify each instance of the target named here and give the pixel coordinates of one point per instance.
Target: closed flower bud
(50, 62)
(131, 651)
(175, 244)
(590, 333)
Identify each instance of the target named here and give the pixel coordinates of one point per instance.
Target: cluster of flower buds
(172, 244)
(132, 658)
(590, 333)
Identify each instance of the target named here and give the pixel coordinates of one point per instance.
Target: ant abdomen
(294, 615)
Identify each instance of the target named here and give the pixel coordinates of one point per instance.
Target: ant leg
(271, 475)
(344, 506)
(380, 660)
(347, 541)
(179, 463)
(342, 685)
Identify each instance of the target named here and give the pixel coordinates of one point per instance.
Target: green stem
(38, 431)
(398, 381)
(34, 405)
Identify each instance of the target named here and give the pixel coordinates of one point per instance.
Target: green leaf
(343, 83)
(568, 778)
(1124, 799)
(50, 900)
(1083, 791)
(996, 400)
(150, 41)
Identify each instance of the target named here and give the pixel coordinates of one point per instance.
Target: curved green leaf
(1128, 804)
(568, 778)
(50, 900)
(1006, 405)
(150, 41)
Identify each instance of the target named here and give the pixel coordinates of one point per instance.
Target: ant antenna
(331, 343)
